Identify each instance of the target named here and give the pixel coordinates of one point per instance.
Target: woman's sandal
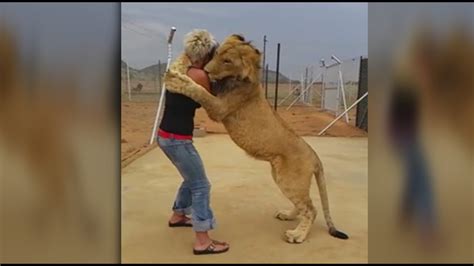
(183, 223)
(211, 249)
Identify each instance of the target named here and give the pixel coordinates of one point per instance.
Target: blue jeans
(193, 196)
(418, 190)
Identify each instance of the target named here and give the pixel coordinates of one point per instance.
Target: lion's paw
(285, 215)
(295, 236)
(174, 81)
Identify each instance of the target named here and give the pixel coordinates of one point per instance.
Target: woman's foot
(211, 247)
(205, 245)
(179, 220)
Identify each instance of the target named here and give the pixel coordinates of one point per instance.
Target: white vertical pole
(289, 89)
(163, 87)
(305, 92)
(338, 108)
(128, 84)
(323, 91)
(311, 79)
(302, 87)
(343, 93)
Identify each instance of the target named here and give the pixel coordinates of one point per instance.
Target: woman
(418, 200)
(175, 139)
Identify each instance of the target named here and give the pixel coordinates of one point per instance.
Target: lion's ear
(249, 71)
(239, 37)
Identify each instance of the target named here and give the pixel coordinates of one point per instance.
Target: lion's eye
(227, 61)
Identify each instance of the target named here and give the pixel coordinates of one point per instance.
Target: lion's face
(235, 58)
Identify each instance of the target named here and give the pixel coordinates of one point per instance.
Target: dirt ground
(244, 201)
(138, 117)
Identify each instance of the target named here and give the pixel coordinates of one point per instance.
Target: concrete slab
(244, 199)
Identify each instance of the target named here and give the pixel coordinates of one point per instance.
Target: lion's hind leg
(294, 184)
(284, 215)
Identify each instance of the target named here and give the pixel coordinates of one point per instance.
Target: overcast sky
(307, 31)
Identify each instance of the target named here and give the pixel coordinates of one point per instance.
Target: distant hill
(151, 72)
(272, 77)
(134, 73)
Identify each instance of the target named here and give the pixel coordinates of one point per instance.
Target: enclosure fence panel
(363, 107)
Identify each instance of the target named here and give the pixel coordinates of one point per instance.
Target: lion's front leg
(179, 83)
(181, 64)
(182, 84)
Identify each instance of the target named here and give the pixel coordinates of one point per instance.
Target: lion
(32, 128)
(253, 125)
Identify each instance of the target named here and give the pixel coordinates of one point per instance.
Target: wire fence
(142, 83)
(330, 88)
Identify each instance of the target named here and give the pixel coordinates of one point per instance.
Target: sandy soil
(244, 201)
(138, 117)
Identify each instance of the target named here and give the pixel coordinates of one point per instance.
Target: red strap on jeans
(168, 135)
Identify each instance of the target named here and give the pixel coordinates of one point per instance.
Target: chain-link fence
(328, 88)
(140, 85)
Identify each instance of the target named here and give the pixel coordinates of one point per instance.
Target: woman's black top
(178, 117)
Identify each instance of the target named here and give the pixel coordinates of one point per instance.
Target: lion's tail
(321, 181)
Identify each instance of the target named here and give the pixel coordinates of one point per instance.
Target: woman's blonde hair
(199, 45)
